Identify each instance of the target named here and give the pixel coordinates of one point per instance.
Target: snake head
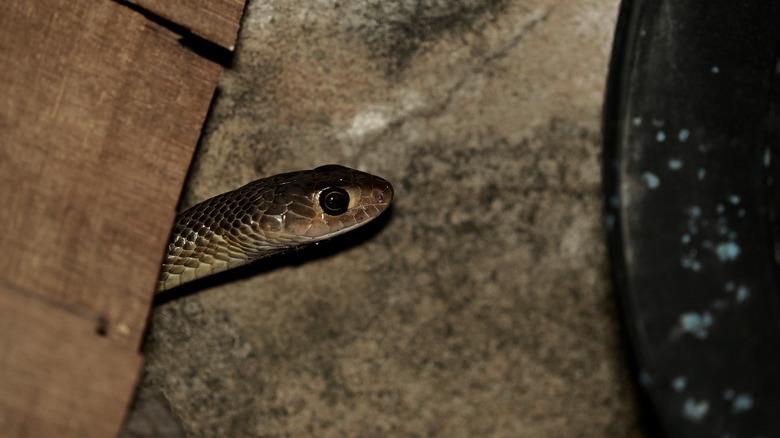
(269, 216)
(328, 201)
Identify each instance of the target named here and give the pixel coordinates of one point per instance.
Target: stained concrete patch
(480, 305)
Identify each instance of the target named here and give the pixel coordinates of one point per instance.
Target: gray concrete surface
(481, 305)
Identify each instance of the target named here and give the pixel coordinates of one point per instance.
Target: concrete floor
(481, 305)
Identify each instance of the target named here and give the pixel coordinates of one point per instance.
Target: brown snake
(270, 216)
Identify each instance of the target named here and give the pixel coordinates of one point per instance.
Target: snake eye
(334, 201)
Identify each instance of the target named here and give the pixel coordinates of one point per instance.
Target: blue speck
(651, 180)
(675, 164)
(727, 251)
(685, 239)
(734, 199)
(609, 221)
(679, 383)
(719, 304)
(694, 410)
(743, 293)
(660, 136)
(702, 173)
(695, 324)
(683, 135)
(636, 121)
(614, 201)
(767, 157)
(741, 212)
(730, 286)
(645, 379)
(691, 263)
(657, 123)
(694, 211)
(707, 244)
(720, 208)
(729, 394)
(723, 230)
(715, 69)
(743, 402)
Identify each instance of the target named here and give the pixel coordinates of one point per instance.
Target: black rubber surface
(691, 171)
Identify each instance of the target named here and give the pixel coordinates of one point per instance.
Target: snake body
(270, 216)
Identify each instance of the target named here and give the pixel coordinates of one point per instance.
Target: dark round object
(692, 140)
(334, 201)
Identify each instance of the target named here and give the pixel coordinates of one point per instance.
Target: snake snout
(383, 192)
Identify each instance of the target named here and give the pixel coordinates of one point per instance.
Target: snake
(269, 216)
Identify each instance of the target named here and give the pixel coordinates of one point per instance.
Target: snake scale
(270, 216)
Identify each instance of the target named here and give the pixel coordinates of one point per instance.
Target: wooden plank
(213, 20)
(99, 116)
(58, 377)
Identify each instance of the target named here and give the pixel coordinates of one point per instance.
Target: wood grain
(100, 113)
